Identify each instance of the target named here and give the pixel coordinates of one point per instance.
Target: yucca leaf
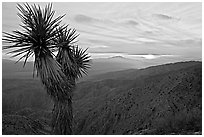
(74, 61)
(39, 30)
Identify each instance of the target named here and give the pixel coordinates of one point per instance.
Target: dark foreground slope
(163, 99)
(161, 103)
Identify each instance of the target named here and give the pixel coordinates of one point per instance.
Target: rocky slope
(165, 99)
(162, 103)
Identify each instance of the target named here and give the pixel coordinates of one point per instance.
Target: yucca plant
(74, 62)
(40, 37)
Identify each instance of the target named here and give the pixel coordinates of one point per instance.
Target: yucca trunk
(62, 114)
(59, 88)
(62, 117)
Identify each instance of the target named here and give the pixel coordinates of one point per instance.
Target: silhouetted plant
(41, 36)
(74, 62)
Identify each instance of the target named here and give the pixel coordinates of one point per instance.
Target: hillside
(160, 104)
(21, 125)
(103, 65)
(134, 73)
(163, 99)
(13, 70)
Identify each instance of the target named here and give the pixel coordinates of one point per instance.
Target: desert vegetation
(41, 37)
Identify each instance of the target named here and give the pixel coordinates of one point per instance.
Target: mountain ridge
(165, 86)
(162, 99)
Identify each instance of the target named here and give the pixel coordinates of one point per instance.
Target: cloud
(101, 52)
(98, 46)
(131, 56)
(83, 18)
(131, 22)
(98, 41)
(105, 55)
(186, 43)
(164, 17)
(149, 56)
(105, 36)
(149, 28)
(145, 40)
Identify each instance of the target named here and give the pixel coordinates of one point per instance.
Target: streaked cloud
(98, 46)
(83, 18)
(151, 56)
(165, 17)
(129, 56)
(134, 30)
(146, 40)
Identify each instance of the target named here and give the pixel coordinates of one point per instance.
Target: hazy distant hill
(102, 65)
(12, 66)
(134, 73)
(162, 99)
(10, 69)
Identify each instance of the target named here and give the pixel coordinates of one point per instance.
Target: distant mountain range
(11, 69)
(164, 99)
(134, 73)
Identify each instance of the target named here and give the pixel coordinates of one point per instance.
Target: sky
(150, 31)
